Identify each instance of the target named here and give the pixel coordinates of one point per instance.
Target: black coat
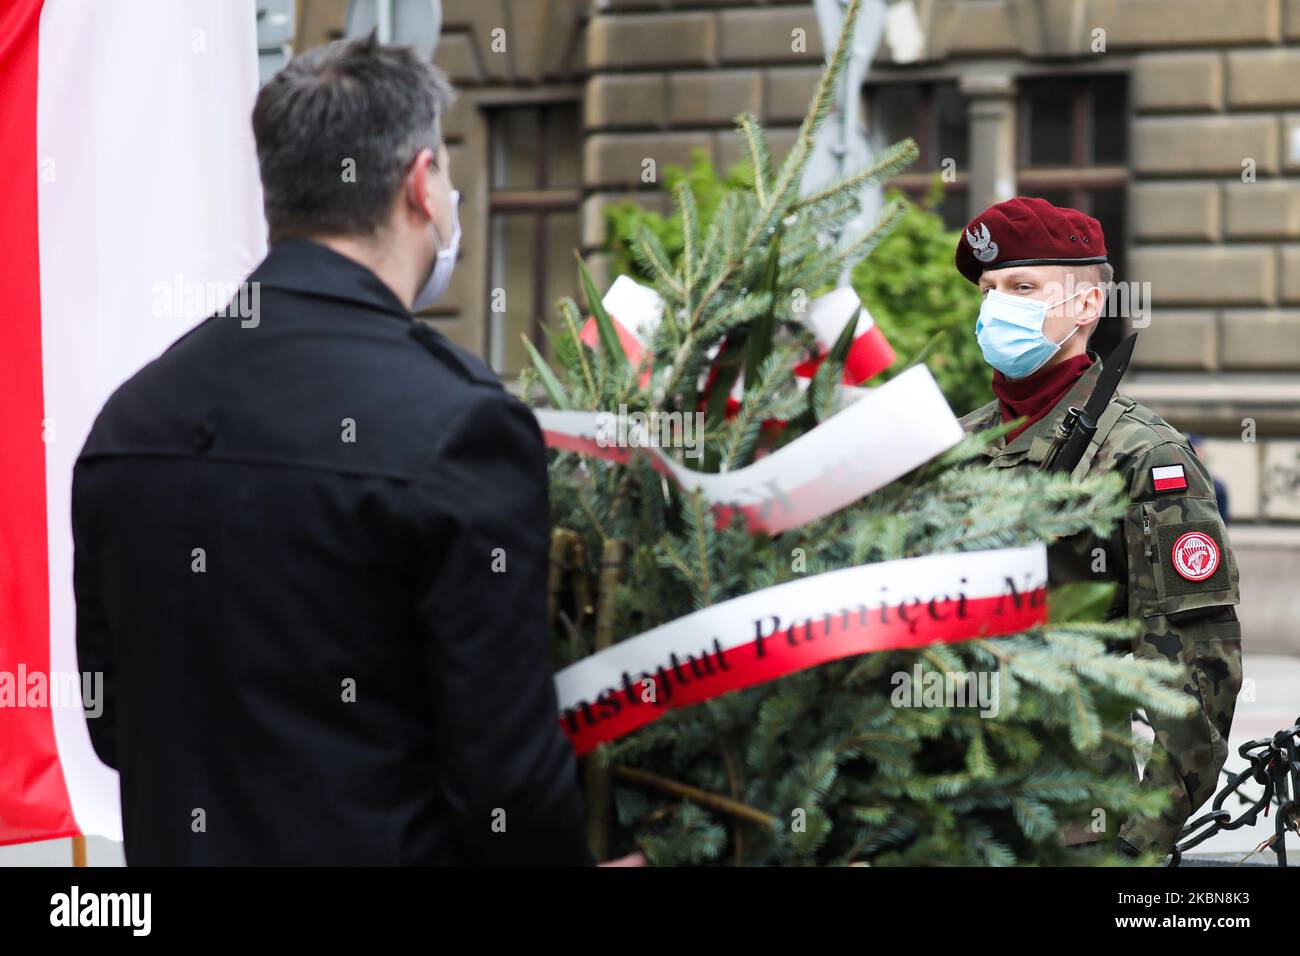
(320, 650)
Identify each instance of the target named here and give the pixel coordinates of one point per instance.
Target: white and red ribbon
(936, 599)
(635, 311)
(878, 438)
(870, 352)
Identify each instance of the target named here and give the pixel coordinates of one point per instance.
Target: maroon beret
(1027, 231)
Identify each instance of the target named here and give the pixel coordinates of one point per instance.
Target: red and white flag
(870, 352)
(131, 202)
(1169, 478)
(635, 311)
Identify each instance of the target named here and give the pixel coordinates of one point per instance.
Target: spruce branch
(554, 390)
(759, 156)
(569, 312)
(690, 264)
(703, 798)
(889, 163)
(890, 217)
(650, 254)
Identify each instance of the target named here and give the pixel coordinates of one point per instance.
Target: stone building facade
(1175, 122)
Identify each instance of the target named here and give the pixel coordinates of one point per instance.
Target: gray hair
(350, 105)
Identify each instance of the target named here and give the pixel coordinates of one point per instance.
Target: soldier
(1043, 273)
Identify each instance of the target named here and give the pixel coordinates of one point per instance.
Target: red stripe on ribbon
(34, 801)
(869, 355)
(704, 673)
(582, 445)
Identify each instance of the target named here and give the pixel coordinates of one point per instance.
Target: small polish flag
(869, 354)
(1169, 478)
(628, 303)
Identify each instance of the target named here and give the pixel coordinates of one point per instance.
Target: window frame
(1081, 174)
(916, 185)
(541, 201)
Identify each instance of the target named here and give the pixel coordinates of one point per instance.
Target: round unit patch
(1196, 556)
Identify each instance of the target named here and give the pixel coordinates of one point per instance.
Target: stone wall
(668, 78)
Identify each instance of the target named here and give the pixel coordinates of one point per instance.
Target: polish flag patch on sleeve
(1169, 478)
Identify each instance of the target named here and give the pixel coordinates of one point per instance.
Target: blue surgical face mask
(1010, 333)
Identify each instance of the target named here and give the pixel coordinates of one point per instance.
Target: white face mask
(440, 275)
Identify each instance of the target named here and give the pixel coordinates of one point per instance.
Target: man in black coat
(311, 537)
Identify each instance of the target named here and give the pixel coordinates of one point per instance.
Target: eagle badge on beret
(986, 250)
(1031, 232)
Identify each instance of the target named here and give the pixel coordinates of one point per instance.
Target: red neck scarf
(1036, 395)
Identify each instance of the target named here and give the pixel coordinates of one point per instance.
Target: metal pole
(841, 144)
(384, 20)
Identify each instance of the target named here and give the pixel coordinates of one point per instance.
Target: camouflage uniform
(1189, 622)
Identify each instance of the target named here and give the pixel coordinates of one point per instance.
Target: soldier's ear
(1094, 303)
(1090, 328)
(1088, 317)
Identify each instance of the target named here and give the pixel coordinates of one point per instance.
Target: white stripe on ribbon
(783, 629)
(881, 436)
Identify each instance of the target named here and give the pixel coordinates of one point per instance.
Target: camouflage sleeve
(1182, 585)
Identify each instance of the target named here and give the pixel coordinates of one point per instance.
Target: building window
(935, 115)
(533, 227)
(1073, 151)
(1073, 148)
